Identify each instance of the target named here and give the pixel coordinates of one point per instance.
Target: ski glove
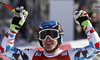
(18, 19)
(81, 19)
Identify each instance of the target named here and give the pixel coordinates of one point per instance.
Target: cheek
(55, 42)
(42, 43)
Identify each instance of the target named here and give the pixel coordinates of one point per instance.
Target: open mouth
(49, 44)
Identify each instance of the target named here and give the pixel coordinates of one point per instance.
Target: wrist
(81, 19)
(15, 28)
(85, 23)
(16, 24)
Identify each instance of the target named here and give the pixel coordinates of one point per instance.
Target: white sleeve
(82, 53)
(88, 51)
(17, 54)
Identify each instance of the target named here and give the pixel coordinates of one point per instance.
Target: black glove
(81, 19)
(18, 19)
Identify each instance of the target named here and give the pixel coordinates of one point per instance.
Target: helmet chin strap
(53, 50)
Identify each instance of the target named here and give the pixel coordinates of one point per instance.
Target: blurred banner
(62, 11)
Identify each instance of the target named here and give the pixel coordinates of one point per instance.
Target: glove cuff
(85, 23)
(16, 24)
(81, 19)
(15, 28)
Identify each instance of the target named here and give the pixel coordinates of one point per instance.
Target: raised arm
(92, 36)
(17, 22)
(86, 52)
(6, 47)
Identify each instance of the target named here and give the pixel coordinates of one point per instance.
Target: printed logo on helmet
(48, 24)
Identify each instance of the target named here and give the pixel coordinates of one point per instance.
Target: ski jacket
(86, 52)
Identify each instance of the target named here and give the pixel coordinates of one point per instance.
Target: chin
(48, 49)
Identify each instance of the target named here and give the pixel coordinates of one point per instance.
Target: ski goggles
(52, 33)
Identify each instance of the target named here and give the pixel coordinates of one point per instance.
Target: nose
(48, 39)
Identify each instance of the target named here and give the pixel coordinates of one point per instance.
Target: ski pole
(13, 10)
(91, 10)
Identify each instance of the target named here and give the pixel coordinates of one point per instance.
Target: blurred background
(42, 10)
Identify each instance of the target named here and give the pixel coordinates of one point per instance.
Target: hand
(80, 17)
(18, 19)
(22, 13)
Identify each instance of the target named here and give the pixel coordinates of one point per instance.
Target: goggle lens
(54, 34)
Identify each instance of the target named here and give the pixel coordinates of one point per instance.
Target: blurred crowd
(39, 12)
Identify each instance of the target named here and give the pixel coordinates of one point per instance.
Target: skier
(50, 36)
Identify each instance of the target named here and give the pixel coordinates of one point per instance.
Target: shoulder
(64, 52)
(30, 50)
(38, 53)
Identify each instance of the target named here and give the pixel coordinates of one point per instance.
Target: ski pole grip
(16, 12)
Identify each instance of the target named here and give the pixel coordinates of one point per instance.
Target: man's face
(49, 44)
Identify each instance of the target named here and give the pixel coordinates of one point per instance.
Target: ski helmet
(49, 25)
